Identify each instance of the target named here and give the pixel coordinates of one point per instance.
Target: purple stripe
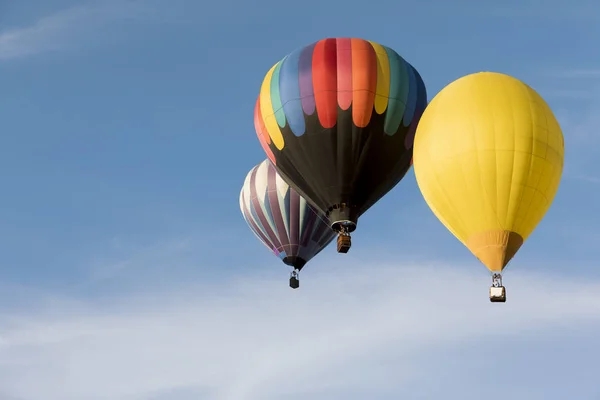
(309, 222)
(259, 212)
(294, 219)
(274, 205)
(305, 79)
(255, 228)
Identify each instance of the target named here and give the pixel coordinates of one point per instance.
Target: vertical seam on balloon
(513, 225)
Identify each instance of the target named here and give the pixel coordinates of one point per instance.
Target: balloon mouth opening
(346, 226)
(294, 261)
(343, 217)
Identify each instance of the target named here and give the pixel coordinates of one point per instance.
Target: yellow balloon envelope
(488, 158)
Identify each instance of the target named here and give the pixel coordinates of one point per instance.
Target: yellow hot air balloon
(488, 159)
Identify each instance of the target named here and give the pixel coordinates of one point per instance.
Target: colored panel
(261, 132)
(258, 212)
(275, 208)
(364, 81)
(411, 103)
(275, 97)
(325, 82)
(294, 217)
(267, 112)
(261, 185)
(398, 92)
(383, 78)
(254, 227)
(421, 104)
(283, 197)
(344, 73)
(305, 74)
(422, 96)
(289, 90)
(302, 211)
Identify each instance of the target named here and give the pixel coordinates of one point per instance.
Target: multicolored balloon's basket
(343, 243)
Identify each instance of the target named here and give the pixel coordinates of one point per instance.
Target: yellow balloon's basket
(498, 294)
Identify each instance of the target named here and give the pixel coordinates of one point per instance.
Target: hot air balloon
(283, 220)
(337, 118)
(488, 159)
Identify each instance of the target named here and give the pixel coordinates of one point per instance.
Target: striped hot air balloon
(337, 118)
(282, 219)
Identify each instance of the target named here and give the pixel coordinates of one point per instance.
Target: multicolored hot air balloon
(337, 118)
(282, 220)
(488, 159)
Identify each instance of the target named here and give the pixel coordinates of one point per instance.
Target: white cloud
(579, 73)
(363, 329)
(576, 102)
(61, 29)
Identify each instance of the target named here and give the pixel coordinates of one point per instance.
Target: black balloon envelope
(337, 118)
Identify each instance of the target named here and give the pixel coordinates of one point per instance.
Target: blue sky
(128, 273)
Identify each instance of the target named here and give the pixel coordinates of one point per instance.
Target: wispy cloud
(587, 178)
(576, 93)
(582, 10)
(61, 29)
(534, 10)
(578, 73)
(346, 332)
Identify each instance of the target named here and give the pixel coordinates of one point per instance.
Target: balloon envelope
(337, 118)
(281, 219)
(488, 159)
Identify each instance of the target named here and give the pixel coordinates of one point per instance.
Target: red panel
(364, 81)
(324, 65)
(344, 73)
